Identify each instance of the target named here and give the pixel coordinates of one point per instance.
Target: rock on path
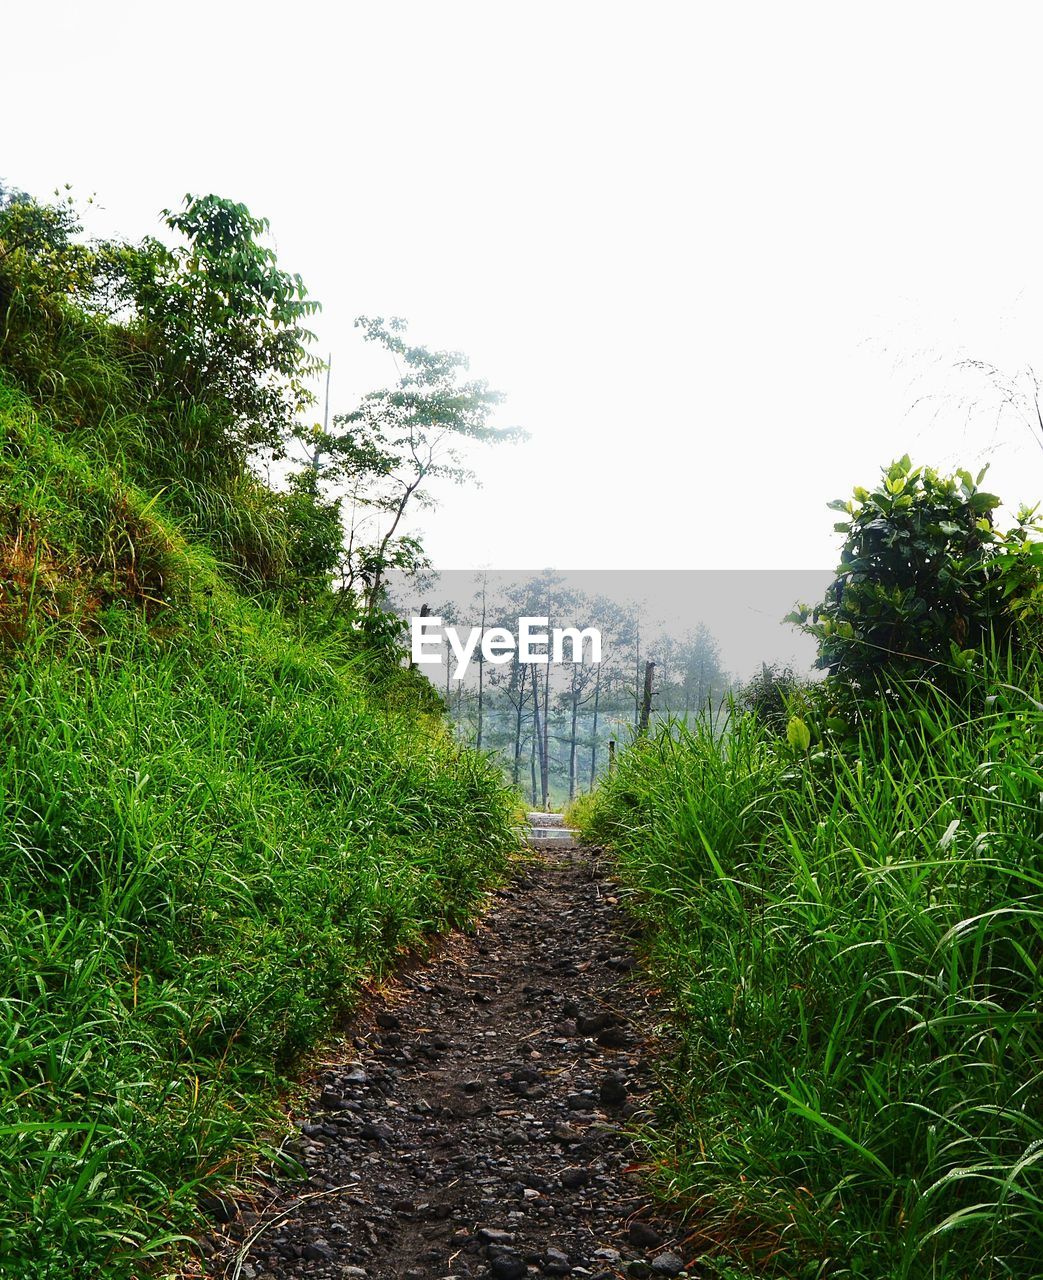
(476, 1125)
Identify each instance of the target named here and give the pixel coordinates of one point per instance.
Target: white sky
(713, 253)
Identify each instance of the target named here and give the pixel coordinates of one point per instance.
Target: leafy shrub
(775, 693)
(848, 916)
(223, 320)
(219, 813)
(925, 579)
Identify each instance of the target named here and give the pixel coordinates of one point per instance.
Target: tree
(42, 258)
(689, 676)
(223, 319)
(399, 439)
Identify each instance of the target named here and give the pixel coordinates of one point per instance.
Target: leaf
(949, 832)
(798, 734)
(817, 1118)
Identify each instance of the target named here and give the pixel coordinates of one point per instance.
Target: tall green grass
(853, 941)
(212, 829)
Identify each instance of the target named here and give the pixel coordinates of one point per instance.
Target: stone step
(545, 819)
(541, 834)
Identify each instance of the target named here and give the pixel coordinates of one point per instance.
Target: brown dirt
(478, 1123)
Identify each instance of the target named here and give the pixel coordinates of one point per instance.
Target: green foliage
(851, 936)
(219, 811)
(40, 248)
(172, 365)
(925, 578)
(203, 856)
(386, 452)
(212, 827)
(314, 535)
(224, 320)
(579, 809)
(774, 694)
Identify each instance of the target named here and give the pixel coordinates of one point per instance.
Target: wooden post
(646, 699)
(611, 756)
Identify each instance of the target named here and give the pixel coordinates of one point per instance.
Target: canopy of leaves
(401, 438)
(226, 320)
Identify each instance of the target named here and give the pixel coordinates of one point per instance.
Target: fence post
(646, 699)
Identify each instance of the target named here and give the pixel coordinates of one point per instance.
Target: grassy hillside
(220, 810)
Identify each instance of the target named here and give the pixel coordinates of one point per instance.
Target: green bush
(774, 694)
(849, 916)
(925, 579)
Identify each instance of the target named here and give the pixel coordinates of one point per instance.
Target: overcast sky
(724, 259)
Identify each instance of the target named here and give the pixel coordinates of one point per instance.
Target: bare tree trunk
(378, 576)
(535, 738)
(518, 721)
(594, 739)
(481, 678)
(481, 707)
(316, 456)
(572, 738)
(637, 680)
(539, 738)
(646, 698)
(545, 751)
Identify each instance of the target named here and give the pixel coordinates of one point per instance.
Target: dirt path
(476, 1131)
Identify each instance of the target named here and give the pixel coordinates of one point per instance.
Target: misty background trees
(551, 724)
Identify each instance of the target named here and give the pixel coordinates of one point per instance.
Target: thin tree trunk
(539, 741)
(637, 679)
(572, 738)
(518, 721)
(481, 679)
(594, 740)
(535, 738)
(378, 576)
(545, 752)
(646, 698)
(481, 708)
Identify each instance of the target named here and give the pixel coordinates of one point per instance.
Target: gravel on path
(478, 1124)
